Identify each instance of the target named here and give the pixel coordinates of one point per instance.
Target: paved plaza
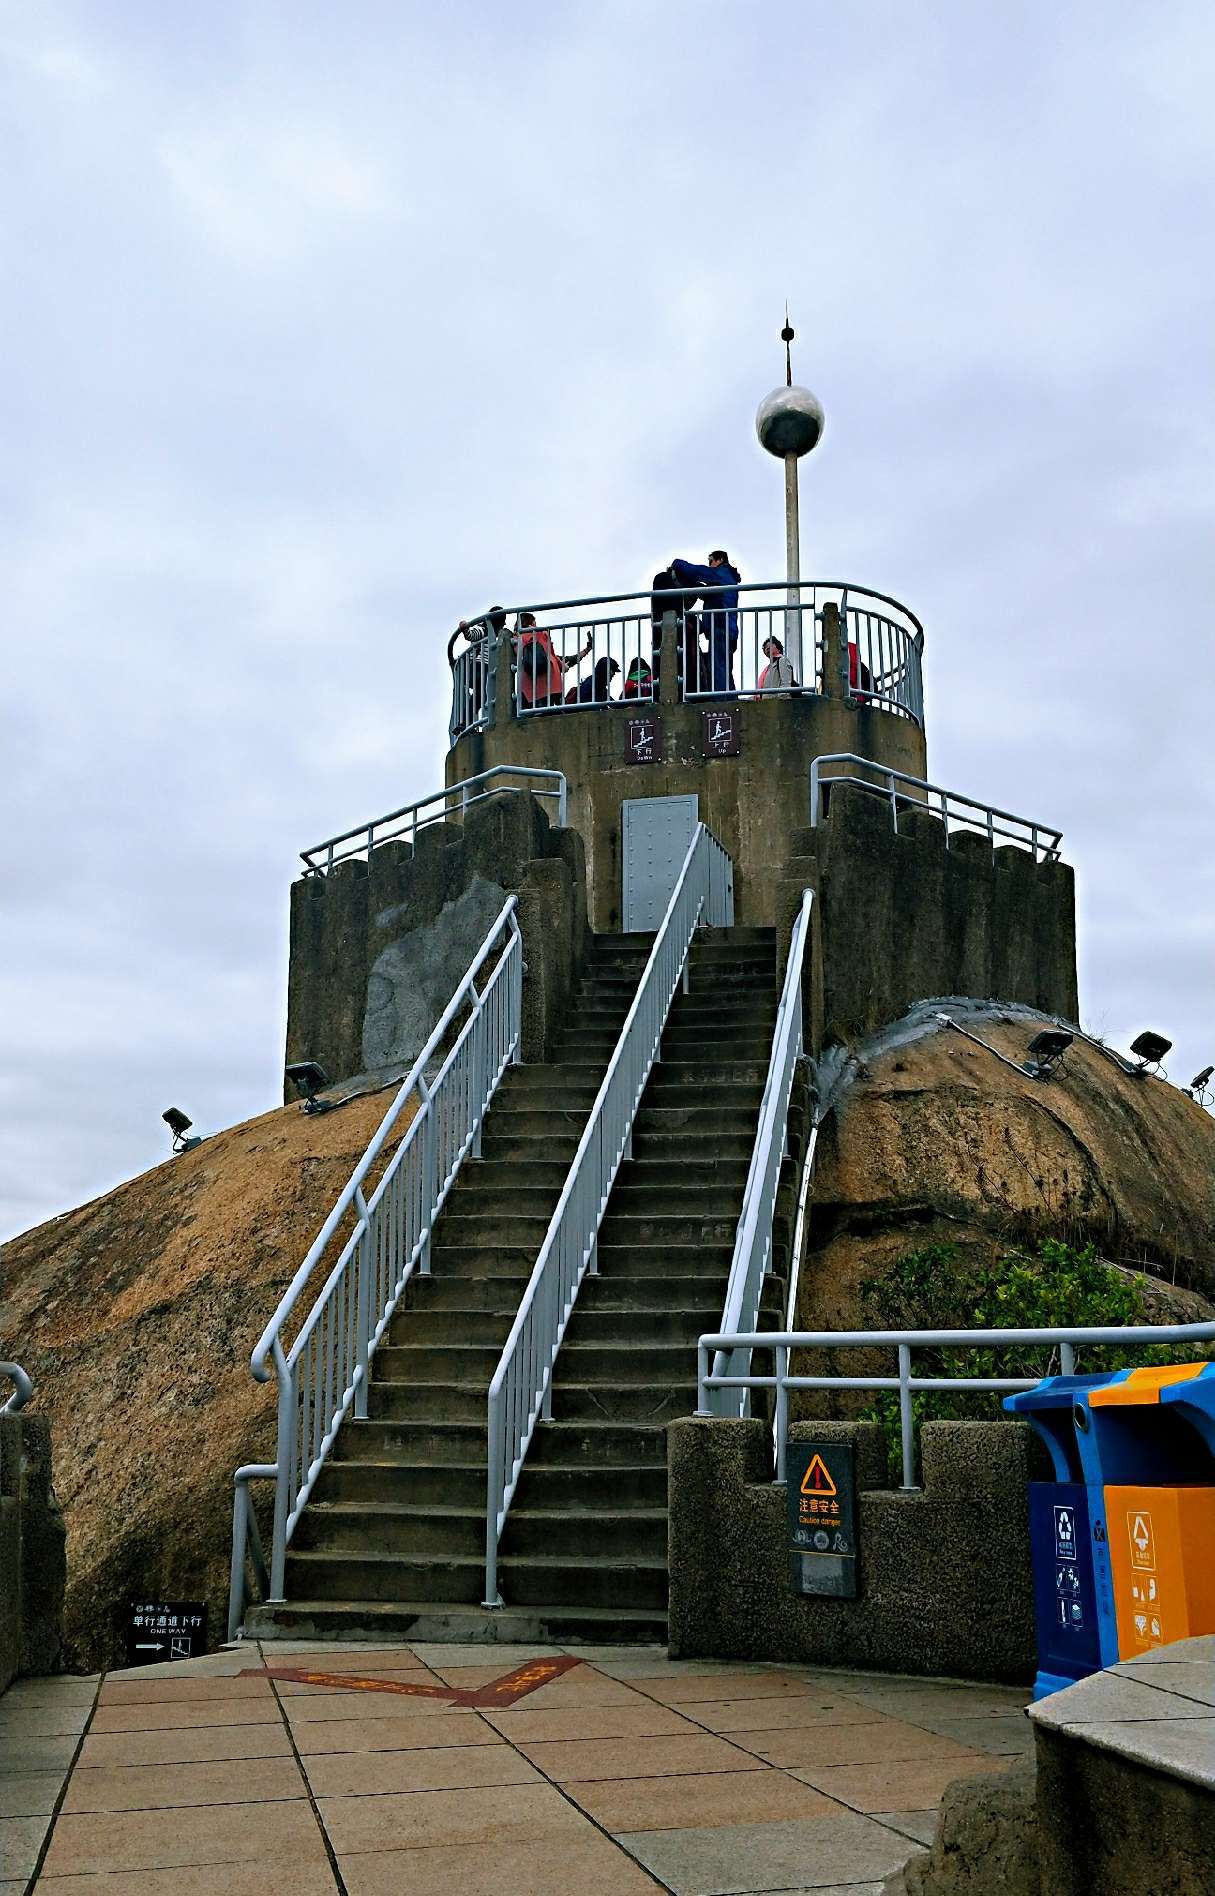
(468, 1769)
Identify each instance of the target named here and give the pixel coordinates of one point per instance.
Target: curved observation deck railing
(835, 639)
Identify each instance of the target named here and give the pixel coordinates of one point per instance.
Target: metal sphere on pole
(789, 423)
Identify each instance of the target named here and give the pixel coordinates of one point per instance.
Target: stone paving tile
(586, 1862)
(171, 1786)
(1185, 1749)
(499, 1658)
(66, 1689)
(921, 1825)
(877, 1741)
(147, 1840)
(218, 1879)
(827, 1889)
(688, 1687)
(700, 1801)
(323, 1735)
(319, 1706)
(999, 1733)
(944, 1701)
(29, 1793)
(910, 1784)
(185, 1712)
(190, 1744)
(573, 1761)
(211, 1665)
(20, 1755)
(643, 1720)
(41, 1721)
(518, 1813)
(20, 1842)
(1191, 1679)
(783, 1856)
(789, 1711)
(1108, 1697)
(454, 1768)
(128, 1690)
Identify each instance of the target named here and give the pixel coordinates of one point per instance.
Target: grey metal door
(655, 833)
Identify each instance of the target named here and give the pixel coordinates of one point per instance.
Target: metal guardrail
(1043, 842)
(720, 650)
(23, 1389)
(520, 1392)
(752, 1258)
(781, 1342)
(323, 1375)
(456, 800)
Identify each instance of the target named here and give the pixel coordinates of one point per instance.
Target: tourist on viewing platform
(482, 635)
(719, 615)
(639, 680)
(777, 674)
(597, 689)
(668, 595)
(541, 671)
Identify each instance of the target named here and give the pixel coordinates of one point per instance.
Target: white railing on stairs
(916, 794)
(323, 1374)
(752, 1259)
(22, 1391)
(520, 1393)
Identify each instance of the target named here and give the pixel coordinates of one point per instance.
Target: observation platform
(649, 695)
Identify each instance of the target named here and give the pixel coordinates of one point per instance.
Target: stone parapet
(32, 1551)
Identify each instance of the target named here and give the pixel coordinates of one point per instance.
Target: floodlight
(179, 1126)
(1200, 1084)
(1150, 1050)
(1046, 1050)
(310, 1076)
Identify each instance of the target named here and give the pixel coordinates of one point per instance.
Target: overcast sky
(323, 325)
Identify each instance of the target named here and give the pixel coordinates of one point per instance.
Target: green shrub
(1054, 1287)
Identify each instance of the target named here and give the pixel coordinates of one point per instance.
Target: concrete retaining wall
(376, 947)
(903, 918)
(32, 1551)
(945, 1583)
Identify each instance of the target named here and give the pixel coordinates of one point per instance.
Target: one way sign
(166, 1629)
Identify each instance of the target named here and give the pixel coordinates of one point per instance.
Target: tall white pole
(793, 562)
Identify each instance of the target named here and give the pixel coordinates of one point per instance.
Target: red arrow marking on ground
(504, 1691)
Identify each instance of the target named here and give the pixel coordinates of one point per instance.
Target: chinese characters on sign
(720, 732)
(643, 740)
(821, 1489)
(165, 1630)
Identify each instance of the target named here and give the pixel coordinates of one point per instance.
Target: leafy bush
(1054, 1287)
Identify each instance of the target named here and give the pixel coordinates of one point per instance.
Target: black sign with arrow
(165, 1629)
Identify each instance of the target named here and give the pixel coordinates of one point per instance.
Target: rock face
(136, 1316)
(936, 1140)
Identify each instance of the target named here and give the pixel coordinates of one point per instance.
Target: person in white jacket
(777, 674)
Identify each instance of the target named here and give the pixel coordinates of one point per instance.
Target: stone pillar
(668, 661)
(835, 653)
(504, 700)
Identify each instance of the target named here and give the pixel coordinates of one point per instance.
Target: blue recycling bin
(1074, 1616)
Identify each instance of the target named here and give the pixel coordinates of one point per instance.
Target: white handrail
(965, 812)
(22, 1392)
(521, 1389)
(782, 1342)
(752, 1258)
(456, 800)
(325, 1372)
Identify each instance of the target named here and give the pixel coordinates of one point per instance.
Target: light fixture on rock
(310, 1076)
(1149, 1049)
(1046, 1050)
(179, 1126)
(1200, 1086)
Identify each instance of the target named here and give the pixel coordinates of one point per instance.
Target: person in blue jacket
(719, 617)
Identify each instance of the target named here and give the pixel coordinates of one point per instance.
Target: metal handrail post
(906, 1419)
(282, 1470)
(781, 1421)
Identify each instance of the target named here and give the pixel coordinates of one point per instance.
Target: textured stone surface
(32, 1563)
(944, 1575)
(986, 1841)
(411, 979)
(136, 1315)
(934, 1140)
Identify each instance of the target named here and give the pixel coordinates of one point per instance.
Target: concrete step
(555, 1120)
(594, 1323)
(520, 1198)
(468, 1364)
(429, 1401)
(677, 1198)
(599, 1530)
(587, 1486)
(510, 1233)
(427, 1327)
(496, 1295)
(389, 1622)
(412, 1443)
(478, 1257)
(630, 1265)
(678, 1148)
(624, 1402)
(402, 1484)
(650, 1363)
(356, 1528)
(682, 1108)
(528, 1580)
(587, 1444)
(667, 1228)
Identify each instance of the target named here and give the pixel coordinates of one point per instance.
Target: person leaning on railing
(719, 613)
(541, 669)
(482, 635)
(777, 676)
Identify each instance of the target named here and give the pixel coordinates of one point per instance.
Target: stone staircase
(393, 1538)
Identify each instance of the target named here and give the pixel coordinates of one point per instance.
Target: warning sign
(821, 1490)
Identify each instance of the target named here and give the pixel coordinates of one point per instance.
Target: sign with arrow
(165, 1629)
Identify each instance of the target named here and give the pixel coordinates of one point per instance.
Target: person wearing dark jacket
(719, 614)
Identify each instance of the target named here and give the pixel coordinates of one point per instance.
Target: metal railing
(323, 1375)
(964, 813)
(23, 1388)
(455, 801)
(583, 654)
(752, 1259)
(520, 1393)
(782, 1342)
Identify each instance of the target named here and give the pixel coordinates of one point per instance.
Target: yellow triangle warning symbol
(816, 1480)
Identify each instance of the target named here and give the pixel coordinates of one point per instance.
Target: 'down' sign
(165, 1629)
(822, 1519)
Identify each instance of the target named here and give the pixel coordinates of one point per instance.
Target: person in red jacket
(541, 670)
